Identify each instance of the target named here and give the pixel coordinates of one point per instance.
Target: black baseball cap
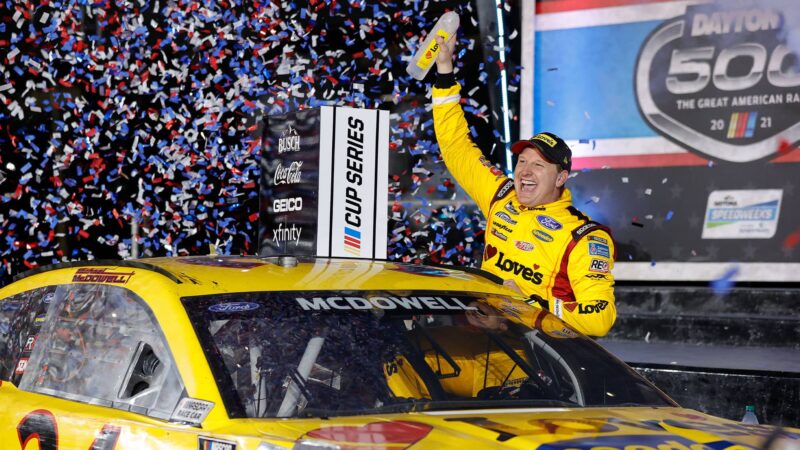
(552, 148)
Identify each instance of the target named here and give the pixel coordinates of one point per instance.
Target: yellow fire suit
(552, 251)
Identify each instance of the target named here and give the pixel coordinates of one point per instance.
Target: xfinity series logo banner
(742, 214)
(722, 81)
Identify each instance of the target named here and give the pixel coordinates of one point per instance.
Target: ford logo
(548, 222)
(233, 307)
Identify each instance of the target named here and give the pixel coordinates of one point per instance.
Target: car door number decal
(41, 425)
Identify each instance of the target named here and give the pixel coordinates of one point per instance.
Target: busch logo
(288, 175)
(289, 141)
(721, 80)
(527, 274)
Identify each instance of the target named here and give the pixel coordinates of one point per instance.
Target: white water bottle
(424, 59)
(750, 415)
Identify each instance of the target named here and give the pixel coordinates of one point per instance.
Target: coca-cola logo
(288, 175)
(722, 81)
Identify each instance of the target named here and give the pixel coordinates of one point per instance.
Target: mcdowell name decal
(387, 302)
(89, 275)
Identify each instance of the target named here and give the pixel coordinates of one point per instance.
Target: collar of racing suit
(562, 202)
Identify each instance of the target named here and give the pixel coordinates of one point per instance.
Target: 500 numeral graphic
(695, 62)
(41, 425)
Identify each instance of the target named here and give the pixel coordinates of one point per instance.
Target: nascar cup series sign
(722, 81)
(324, 183)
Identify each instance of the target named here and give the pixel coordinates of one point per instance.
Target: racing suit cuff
(445, 80)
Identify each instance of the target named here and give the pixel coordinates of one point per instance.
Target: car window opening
(325, 354)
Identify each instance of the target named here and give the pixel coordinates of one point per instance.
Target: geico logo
(527, 274)
(589, 309)
(287, 204)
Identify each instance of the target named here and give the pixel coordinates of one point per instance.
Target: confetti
(724, 284)
(150, 115)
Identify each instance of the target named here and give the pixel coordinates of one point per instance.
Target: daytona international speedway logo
(722, 81)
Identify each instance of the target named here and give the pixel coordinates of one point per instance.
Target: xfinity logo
(280, 205)
(289, 141)
(526, 273)
(286, 234)
(288, 175)
(722, 80)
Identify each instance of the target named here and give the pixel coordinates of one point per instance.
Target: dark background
(118, 113)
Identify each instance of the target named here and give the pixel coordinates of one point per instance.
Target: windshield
(322, 354)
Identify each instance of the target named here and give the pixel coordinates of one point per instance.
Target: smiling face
(537, 180)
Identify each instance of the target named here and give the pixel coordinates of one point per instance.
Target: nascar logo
(352, 241)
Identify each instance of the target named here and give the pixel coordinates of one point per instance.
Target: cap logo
(546, 139)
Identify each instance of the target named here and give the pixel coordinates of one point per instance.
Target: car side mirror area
(143, 376)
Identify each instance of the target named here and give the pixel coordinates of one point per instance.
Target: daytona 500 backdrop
(683, 117)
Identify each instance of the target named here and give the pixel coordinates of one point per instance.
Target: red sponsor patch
(524, 246)
(21, 365)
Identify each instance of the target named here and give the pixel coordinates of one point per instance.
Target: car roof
(202, 275)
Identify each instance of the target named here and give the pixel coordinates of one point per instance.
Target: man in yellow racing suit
(535, 239)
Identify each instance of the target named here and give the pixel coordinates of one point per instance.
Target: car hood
(628, 428)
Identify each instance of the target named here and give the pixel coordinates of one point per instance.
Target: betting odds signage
(324, 183)
(722, 81)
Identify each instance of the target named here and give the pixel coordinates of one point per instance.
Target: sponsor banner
(324, 183)
(742, 214)
(676, 101)
(353, 195)
(289, 187)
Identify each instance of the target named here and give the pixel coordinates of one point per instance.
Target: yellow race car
(245, 353)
